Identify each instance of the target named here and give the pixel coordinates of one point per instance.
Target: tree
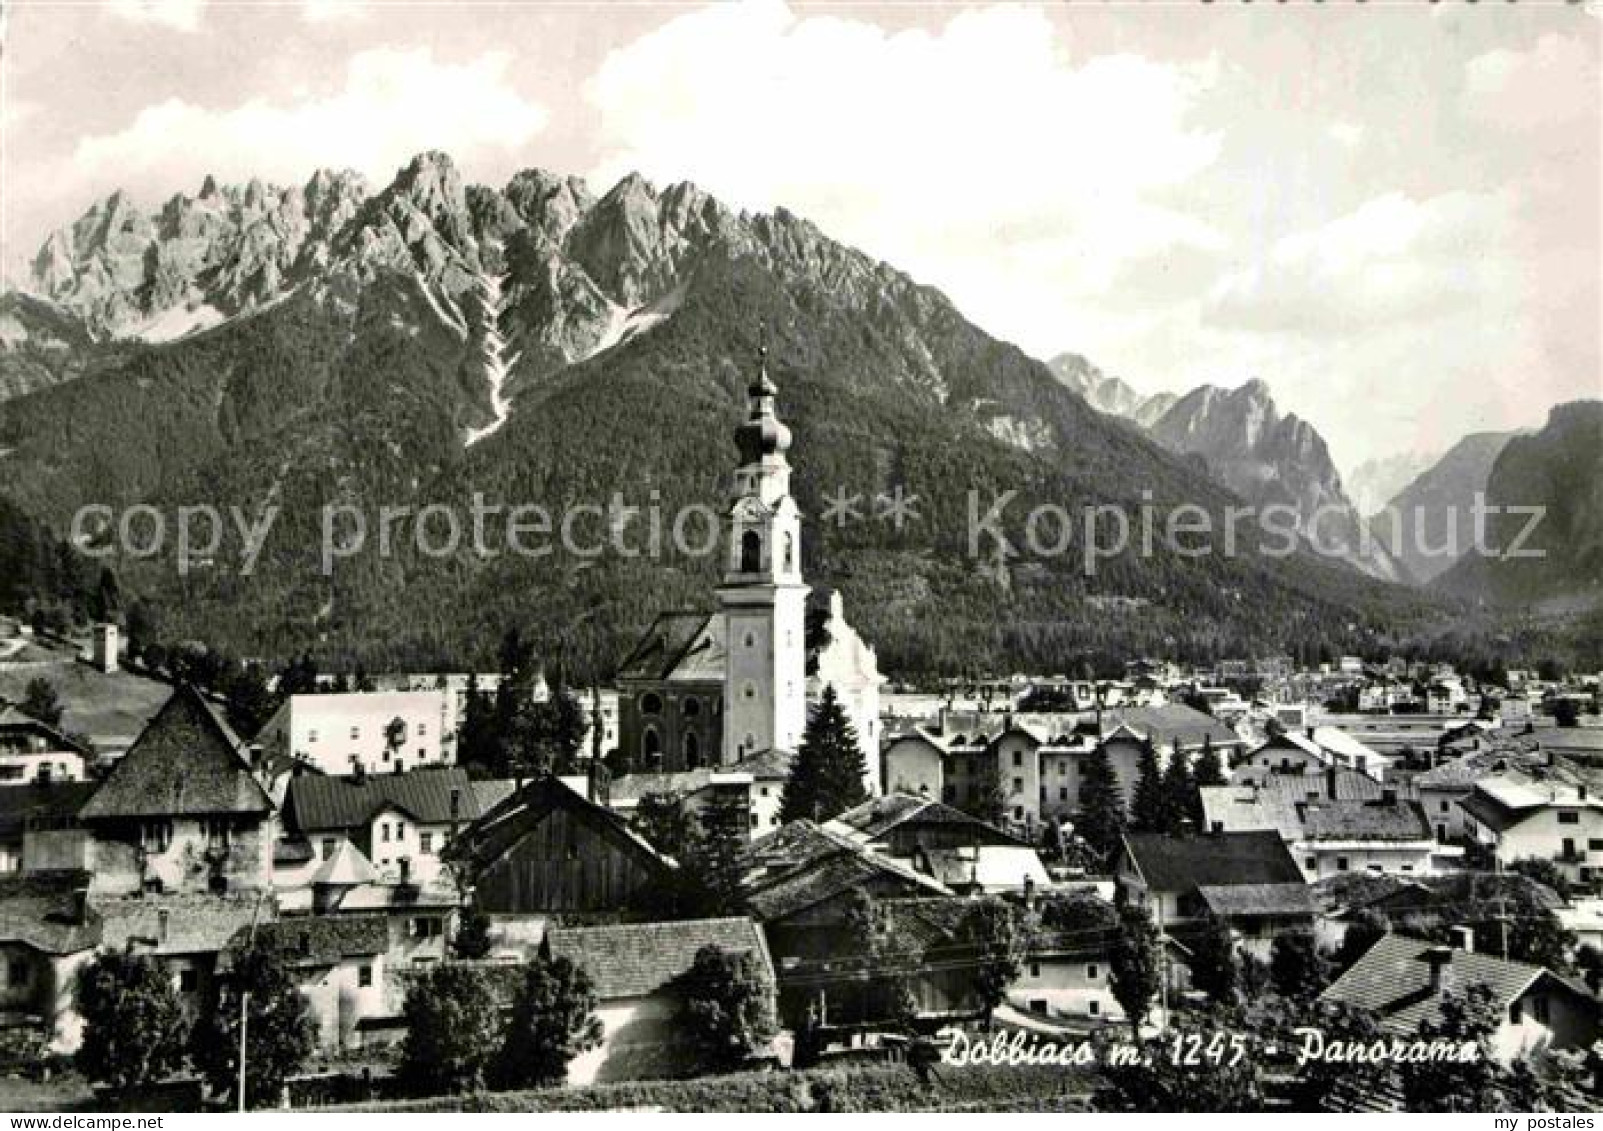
(1135, 964)
(827, 777)
(1544, 871)
(453, 1030)
(1567, 713)
(1316, 1082)
(1148, 812)
(1296, 968)
(476, 744)
(134, 1026)
(714, 872)
(1363, 932)
(106, 603)
(1208, 770)
(1215, 969)
(553, 1020)
(986, 797)
(1100, 819)
(280, 1034)
(728, 1007)
(877, 961)
(1179, 794)
(472, 939)
(989, 933)
(668, 825)
(40, 701)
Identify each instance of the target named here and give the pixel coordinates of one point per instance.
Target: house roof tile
(186, 762)
(637, 959)
(317, 803)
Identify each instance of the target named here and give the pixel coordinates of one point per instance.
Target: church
(720, 688)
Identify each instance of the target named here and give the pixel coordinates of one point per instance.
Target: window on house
(311, 736)
(356, 732)
(427, 927)
(1018, 785)
(1515, 1014)
(364, 975)
(188, 981)
(422, 729)
(1090, 973)
(651, 704)
(1595, 845)
(1018, 758)
(384, 831)
(1447, 807)
(1035, 969)
(329, 845)
(217, 832)
(1063, 793)
(155, 836)
(1569, 817)
(1341, 863)
(754, 820)
(1094, 1008)
(426, 842)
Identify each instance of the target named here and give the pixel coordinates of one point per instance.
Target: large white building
(377, 732)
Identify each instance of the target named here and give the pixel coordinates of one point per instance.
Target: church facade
(720, 688)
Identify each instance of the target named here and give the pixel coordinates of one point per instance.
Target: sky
(1390, 212)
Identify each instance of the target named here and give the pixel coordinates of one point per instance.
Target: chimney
(1463, 937)
(1330, 782)
(1438, 958)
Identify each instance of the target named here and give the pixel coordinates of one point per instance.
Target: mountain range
(1428, 523)
(339, 345)
(1244, 442)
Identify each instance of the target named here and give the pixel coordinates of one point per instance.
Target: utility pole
(244, 1000)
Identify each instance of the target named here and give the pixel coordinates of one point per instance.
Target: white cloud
(1393, 259)
(1554, 83)
(333, 11)
(393, 104)
(180, 15)
(978, 147)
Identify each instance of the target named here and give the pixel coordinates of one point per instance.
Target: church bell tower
(763, 597)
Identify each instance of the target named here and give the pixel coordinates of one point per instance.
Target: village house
(959, 850)
(758, 784)
(47, 932)
(1311, 751)
(39, 828)
(401, 822)
(32, 751)
(1401, 982)
(547, 851)
(1339, 821)
(337, 962)
(1249, 878)
(1033, 762)
(375, 732)
(1443, 788)
(1520, 815)
(184, 932)
(634, 969)
(181, 810)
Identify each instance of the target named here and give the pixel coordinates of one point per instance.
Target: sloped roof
(1364, 820)
(1257, 899)
(179, 924)
(1463, 773)
(37, 909)
(636, 959)
(1170, 863)
(880, 815)
(38, 801)
(346, 868)
(1172, 724)
(772, 764)
(1392, 981)
(679, 645)
(14, 720)
(827, 876)
(320, 940)
(498, 830)
(316, 803)
(187, 762)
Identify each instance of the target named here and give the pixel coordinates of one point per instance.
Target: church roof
(678, 646)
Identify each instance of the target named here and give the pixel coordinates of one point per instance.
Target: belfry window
(651, 746)
(692, 747)
(751, 552)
